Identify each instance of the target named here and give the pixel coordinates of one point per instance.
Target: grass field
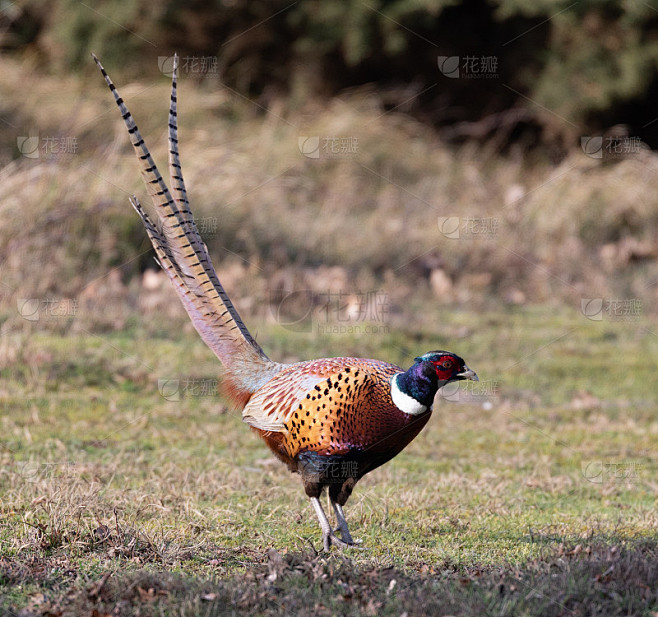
(533, 492)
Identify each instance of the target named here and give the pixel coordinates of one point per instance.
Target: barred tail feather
(183, 256)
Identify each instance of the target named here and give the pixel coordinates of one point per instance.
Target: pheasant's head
(446, 366)
(413, 391)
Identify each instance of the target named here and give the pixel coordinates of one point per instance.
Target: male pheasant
(331, 420)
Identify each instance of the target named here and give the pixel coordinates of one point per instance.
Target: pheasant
(331, 420)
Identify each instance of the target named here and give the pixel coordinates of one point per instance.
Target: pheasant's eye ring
(447, 364)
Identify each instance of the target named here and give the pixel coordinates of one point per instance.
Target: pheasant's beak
(467, 373)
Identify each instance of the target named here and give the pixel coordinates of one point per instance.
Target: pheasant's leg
(328, 537)
(342, 523)
(340, 519)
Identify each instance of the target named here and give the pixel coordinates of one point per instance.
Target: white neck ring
(404, 402)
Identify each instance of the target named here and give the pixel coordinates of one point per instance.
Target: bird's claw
(332, 539)
(345, 535)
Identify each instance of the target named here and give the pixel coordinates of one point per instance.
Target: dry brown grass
(581, 229)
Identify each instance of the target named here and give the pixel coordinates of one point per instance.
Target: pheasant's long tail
(183, 255)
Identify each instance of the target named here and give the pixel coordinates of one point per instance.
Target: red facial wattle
(445, 368)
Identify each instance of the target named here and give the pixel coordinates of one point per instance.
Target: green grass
(101, 474)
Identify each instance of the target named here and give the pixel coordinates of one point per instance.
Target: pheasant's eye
(447, 364)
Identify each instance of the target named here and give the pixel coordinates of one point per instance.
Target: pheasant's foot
(345, 535)
(330, 538)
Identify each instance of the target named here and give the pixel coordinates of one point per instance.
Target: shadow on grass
(601, 576)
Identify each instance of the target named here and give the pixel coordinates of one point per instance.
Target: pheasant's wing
(271, 407)
(183, 255)
(317, 389)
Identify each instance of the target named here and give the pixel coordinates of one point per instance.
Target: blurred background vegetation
(572, 67)
(497, 142)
